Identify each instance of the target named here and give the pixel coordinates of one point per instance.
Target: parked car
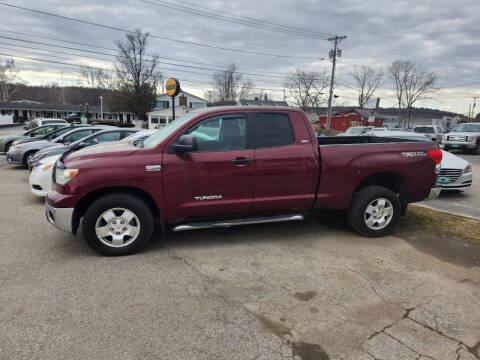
(41, 176)
(455, 173)
(464, 136)
(262, 166)
(44, 121)
(356, 130)
(374, 130)
(20, 154)
(7, 141)
(432, 132)
(49, 136)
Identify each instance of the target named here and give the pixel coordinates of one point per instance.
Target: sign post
(173, 88)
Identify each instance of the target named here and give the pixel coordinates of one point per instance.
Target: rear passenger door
(285, 165)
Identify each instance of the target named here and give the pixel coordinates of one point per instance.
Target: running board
(235, 222)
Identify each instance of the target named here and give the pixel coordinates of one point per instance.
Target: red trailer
(357, 117)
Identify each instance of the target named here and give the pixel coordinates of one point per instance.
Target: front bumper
(61, 218)
(434, 192)
(461, 145)
(15, 157)
(463, 182)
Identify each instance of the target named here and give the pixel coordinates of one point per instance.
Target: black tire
(7, 147)
(25, 157)
(113, 201)
(356, 214)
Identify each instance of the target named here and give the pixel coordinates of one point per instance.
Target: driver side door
(217, 179)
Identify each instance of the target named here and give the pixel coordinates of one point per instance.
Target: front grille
(453, 174)
(456, 138)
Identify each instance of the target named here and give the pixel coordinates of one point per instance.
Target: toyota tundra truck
(227, 166)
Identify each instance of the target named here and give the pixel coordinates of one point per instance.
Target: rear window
(424, 130)
(273, 130)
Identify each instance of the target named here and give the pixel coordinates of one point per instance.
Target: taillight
(435, 155)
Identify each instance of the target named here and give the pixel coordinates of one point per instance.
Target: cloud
(441, 35)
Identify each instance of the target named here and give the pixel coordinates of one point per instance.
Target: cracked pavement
(302, 291)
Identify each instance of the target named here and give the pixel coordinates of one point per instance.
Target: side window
(221, 134)
(76, 136)
(273, 130)
(125, 134)
(106, 137)
(42, 131)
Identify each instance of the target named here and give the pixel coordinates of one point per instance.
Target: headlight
(472, 138)
(13, 149)
(468, 169)
(16, 142)
(63, 176)
(45, 167)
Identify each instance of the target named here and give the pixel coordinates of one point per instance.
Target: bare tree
(367, 80)
(306, 89)
(229, 86)
(412, 84)
(137, 73)
(93, 77)
(8, 80)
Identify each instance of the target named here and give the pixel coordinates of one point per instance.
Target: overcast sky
(440, 35)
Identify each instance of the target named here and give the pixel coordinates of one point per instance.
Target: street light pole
(333, 55)
(101, 107)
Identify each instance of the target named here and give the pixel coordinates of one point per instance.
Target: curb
(446, 211)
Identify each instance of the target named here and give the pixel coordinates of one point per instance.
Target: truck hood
(460, 133)
(101, 151)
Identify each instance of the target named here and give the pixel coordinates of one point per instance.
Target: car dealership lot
(268, 292)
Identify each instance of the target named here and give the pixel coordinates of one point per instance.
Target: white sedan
(41, 176)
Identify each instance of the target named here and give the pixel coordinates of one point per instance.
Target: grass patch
(438, 223)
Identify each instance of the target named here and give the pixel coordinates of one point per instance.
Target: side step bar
(235, 222)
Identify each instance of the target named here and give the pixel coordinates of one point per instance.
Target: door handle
(241, 161)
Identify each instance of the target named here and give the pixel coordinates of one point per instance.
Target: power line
(113, 55)
(256, 20)
(221, 67)
(185, 42)
(111, 70)
(108, 60)
(213, 14)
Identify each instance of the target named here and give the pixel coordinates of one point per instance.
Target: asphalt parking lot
(306, 290)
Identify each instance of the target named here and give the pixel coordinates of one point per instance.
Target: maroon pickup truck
(226, 166)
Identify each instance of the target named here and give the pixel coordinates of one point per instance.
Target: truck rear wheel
(117, 224)
(374, 211)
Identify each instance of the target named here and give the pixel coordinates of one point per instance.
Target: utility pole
(473, 107)
(101, 107)
(333, 55)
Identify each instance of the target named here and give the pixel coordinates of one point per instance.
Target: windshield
(354, 130)
(161, 134)
(467, 128)
(424, 130)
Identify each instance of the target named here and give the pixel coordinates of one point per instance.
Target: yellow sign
(172, 86)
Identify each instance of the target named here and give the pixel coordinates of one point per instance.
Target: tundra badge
(153, 167)
(208, 197)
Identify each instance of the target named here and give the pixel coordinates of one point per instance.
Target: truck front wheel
(117, 224)
(374, 211)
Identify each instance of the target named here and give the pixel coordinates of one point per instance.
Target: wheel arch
(390, 180)
(89, 198)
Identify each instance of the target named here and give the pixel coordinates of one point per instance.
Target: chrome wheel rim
(378, 214)
(117, 227)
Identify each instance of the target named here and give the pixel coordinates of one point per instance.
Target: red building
(356, 117)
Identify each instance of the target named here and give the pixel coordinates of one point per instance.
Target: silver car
(463, 137)
(20, 154)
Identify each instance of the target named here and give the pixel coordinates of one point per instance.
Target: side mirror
(186, 143)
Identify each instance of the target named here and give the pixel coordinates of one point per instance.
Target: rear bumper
(61, 218)
(434, 192)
